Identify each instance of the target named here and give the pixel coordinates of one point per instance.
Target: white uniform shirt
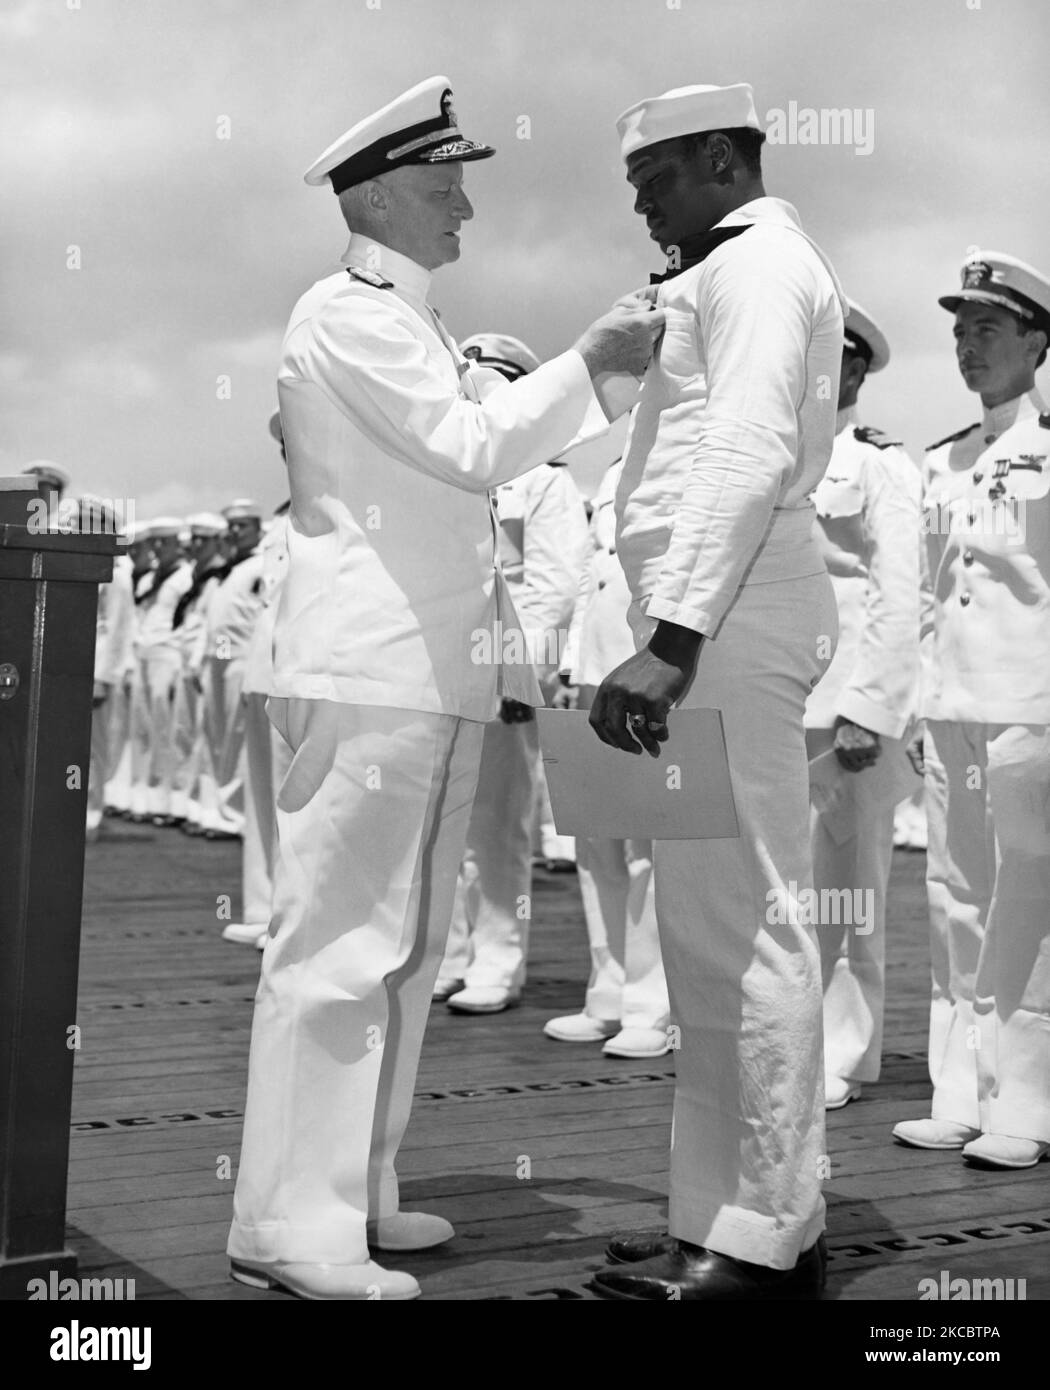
(233, 609)
(115, 624)
(868, 512)
(735, 422)
(154, 635)
(394, 440)
(192, 631)
(542, 548)
(986, 615)
(600, 636)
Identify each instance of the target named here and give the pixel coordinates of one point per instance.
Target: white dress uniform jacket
(381, 600)
(867, 505)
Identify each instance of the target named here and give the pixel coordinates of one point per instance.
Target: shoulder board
(1044, 421)
(369, 277)
(867, 435)
(951, 438)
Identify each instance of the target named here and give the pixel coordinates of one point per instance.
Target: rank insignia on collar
(369, 277)
(1033, 461)
(867, 435)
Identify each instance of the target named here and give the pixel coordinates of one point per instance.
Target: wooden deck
(165, 1009)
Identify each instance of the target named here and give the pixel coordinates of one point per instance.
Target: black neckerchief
(694, 249)
(192, 593)
(157, 580)
(224, 572)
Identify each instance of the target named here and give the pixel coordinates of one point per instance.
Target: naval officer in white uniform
(986, 700)
(868, 512)
(393, 440)
(732, 609)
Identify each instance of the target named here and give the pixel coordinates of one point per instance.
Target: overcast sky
(193, 248)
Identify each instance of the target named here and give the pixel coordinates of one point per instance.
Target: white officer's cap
(991, 277)
(48, 472)
(864, 337)
(242, 509)
(206, 524)
(686, 111)
(418, 127)
(508, 355)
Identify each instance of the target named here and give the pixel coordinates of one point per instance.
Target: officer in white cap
(125, 699)
(625, 1005)
(234, 605)
(732, 609)
(159, 658)
(382, 685)
(206, 532)
(542, 550)
(868, 509)
(986, 700)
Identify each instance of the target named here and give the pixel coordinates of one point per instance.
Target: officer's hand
(514, 712)
(621, 341)
(637, 299)
(632, 703)
(855, 747)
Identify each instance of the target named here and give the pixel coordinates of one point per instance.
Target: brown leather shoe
(689, 1272)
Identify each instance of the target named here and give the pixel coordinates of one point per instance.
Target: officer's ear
(1036, 343)
(719, 150)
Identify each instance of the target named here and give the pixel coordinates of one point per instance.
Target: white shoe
(444, 987)
(245, 933)
(580, 1028)
(638, 1042)
(483, 999)
(838, 1093)
(1004, 1151)
(934, 1134)
(409, 1230)
(366, 1282)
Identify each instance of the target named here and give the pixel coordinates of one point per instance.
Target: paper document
(833, 790)
(684, 794)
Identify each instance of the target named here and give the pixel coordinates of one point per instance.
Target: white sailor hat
(418, 127)
(206, 524)
(990, 277)
(275, 427)
(48, 472)
(163, 526)
(242, 509)
(864, 337)
(138, 532)
(508, 355)
(686, 111)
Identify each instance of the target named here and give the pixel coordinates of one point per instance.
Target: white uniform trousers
(743, 974)
(627, 983)
(545, 836)
(988, 879)
(186, 730)
(267, 760)
(372, 818)
(152, 728)
(221, 792)
(118, 784)
(98, 770)
(489, 939)
(853, 952)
